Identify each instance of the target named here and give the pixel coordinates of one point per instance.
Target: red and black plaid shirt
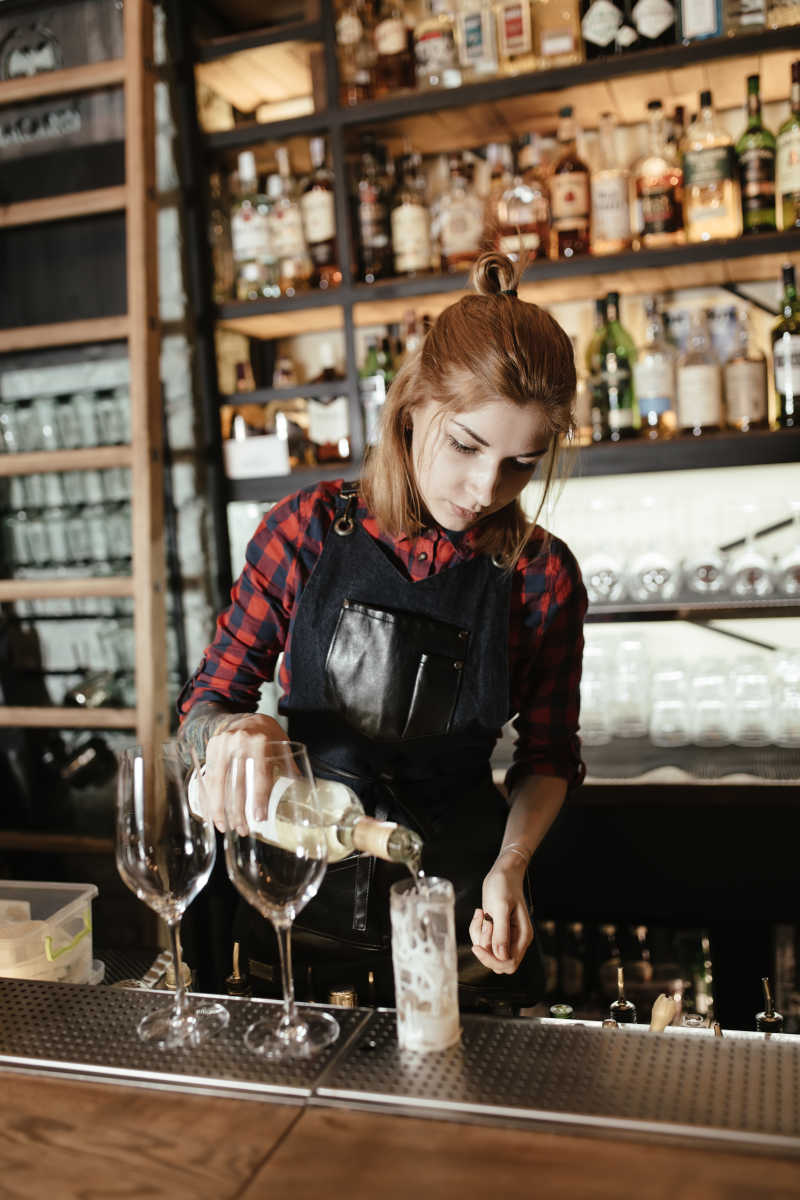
(545, 636)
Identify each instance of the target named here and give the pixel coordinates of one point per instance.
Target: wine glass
(165, 854)
(276, 853)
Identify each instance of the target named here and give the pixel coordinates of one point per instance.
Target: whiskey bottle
(460, 219)
(515, 36)
(611, 375)
(659, 187)
(654, 378)
(556, 33)
(286, 226)
(786, 354)
(699, 381)
(318, 208)
(788, 160)
(500, 160)
(711, 197)
(745, 378)
(755, 154)
(435, 51)
(476, 35)
(372, 215)
(253, 252)
(410, 220)
(611, 201)
(394, 68)
(523, 212)
(354, 55)
(328, 417)
(600, 23)
(569, 194)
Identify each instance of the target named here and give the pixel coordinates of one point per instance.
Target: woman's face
(473, 463)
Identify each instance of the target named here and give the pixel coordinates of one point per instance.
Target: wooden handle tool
(664, 1010)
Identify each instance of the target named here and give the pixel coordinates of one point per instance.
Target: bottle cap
(654, 105)
(343, 997)
(561, 1011)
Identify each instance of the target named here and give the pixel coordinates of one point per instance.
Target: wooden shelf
(88, 458)
(310, 313)
(64, 333)
(237, 43)
(63, 208)
(110, 73)
(55, 843)
(116, 586)
(68, 718)
(337, 387)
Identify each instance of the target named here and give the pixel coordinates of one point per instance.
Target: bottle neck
(753, 110)
(656, 134)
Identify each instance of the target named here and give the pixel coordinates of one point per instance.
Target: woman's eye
(518, 465)
(460, 447)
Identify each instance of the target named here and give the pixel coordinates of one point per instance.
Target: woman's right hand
(242, 735)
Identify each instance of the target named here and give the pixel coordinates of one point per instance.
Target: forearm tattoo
(202, 720)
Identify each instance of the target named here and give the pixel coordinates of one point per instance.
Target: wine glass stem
(179, 1007)
(284, 936)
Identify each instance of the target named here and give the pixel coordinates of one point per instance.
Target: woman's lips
(468, 514)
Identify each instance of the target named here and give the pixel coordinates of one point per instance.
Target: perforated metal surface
(74, 1030)
(745, 1089)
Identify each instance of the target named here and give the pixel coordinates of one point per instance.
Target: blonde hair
(486, 346)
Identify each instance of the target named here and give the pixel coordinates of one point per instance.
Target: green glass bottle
(755, 154)
(611, 374)
(788, 160)
(786, 354)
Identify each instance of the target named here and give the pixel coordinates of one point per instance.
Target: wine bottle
(786, 354)
(768, 1021)
(621, 1010)
(755, 152)
(788, 160)
(611, 370)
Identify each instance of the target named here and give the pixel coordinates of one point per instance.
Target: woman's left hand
(501, 931)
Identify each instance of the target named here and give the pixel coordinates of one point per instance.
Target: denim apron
(399, 689)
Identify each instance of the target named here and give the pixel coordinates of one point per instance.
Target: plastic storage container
(46, 931)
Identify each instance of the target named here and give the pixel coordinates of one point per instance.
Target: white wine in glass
(276, 848)
(165, 854)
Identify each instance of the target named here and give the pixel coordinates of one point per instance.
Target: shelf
(338, 387)
(88, 458)
(685, 453)
(110, 73)
(253, 39)
(696, 610)
(269, 490)
(116, 586)
(67, 718)
(64, 333)
(63, 208)
(55, 843)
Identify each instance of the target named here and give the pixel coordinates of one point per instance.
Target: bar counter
(521, 1107)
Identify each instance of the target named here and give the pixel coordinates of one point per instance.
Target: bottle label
(569, 199)
(286, 227)
(348, 29)
(757, 175)
(655, 384)
(710, 167)
(661, 208)
(411, 238)
(699, 396)
(372, 224)
(557, 42)
(390, 36)
(515, 243)
(515, 28)
(319, 215)
(250, 235)
(699, 18)
(786, 361)
(476, 37)
(653, 17)
(611, 212)
(601, 22)
(746, 391)
(788, 161)
(328, 421)
(462, 226)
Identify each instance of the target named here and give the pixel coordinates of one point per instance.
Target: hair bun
(493, 273)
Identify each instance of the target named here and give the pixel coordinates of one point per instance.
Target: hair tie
(509, 292)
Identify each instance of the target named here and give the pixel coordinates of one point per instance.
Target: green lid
(562, 1011)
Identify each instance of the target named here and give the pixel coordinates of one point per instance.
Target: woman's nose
(484, 485)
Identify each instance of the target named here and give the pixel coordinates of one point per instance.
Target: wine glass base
(200, 1022)
(272, 1038)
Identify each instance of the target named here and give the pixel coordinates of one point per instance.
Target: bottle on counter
(787, 156)
(654, 378)
(372, 215)
(769, 1021)
(600, 22)
(394, 65)
(295, 269)
(254, 260)
(354, 54)
(410, 219)
(656, 23)
(613, 356)
(755, 155)
(570, 204)
(611, 198)
(712, 206)
(745, 378)
(476, 35)
(786, 354)
(435, 50)
(515, 36)
(318, 208)
(523, 213)
(461, 216)
(556, 33)
(700, 19)
(699, 380)
(658, 178)
(621, 1010)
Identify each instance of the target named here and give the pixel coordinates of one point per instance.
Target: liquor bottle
(219, 240)
(786, 355)
(600, 22)
(515, 36)
(769, 1021)
(611, 200)
(435, 50)
(699, 380)
(328, 417)
(318, 209)
(654, 378)
(460, 219)
(410, 220)
(500, 160)
(569, 194)
(476, 34)
(523, 212)
(394, 67)
(372, 390)
(656, 23)
(659, 187)
(556, 33)
(743, 16)
(286, 226)
(700, 19)
(745, 377)
(250, 234)
(755, 154)
(712, 206)
(621, 1010)
(788, 160)
(582, 407)
(372, 215)
(613, 356)
(354, 55)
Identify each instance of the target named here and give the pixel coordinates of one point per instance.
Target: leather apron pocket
(420, 658)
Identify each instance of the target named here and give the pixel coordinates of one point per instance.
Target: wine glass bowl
(276, 849)
(164, 854)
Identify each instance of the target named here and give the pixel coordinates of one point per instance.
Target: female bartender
(418, 611)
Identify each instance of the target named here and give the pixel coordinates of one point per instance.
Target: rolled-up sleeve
(547, 673)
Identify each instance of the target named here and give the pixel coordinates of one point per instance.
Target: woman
(418, 612)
